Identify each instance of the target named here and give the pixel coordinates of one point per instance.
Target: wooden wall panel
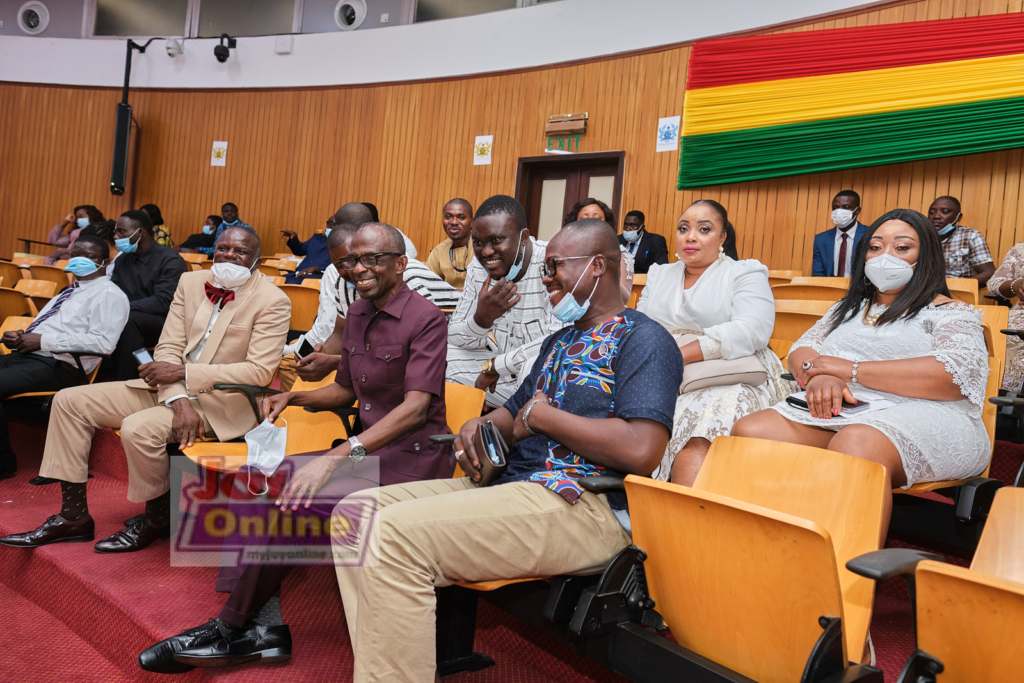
(294, 156)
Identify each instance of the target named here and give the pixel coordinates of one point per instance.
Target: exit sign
(564, 143)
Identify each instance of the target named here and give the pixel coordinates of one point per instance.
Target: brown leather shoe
(56, 529)
(135, 537)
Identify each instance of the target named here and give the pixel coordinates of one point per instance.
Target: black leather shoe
(135, 537)
(8, 468)
(160, 657)
(56, 529)
(268, 644)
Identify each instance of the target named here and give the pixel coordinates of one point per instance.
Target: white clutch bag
(719, 372)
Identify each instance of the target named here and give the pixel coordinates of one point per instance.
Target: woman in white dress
(728, 305)
(899, 335)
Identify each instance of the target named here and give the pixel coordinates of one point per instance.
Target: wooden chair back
(965, 289)
(54, 274)
(639, 282)
(283, 255)
(994, 319)
(1000, 551)
(311, 282)
(808, 292)
(842, 282)
(461, 404)
(305, 304)
(10, 273)
(207, 265)
(276, 279)
(269, 271)
(280, 264)
(194, 267)
(792, 319)
(757, 617)
(44, 289)
(13, 323)
(27, 261)
(843, 494)
(785, 274)
(194, 257)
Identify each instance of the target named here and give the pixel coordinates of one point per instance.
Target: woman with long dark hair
(896, 340)
(716, 307)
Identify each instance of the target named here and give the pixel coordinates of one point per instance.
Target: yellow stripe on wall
(817, 98)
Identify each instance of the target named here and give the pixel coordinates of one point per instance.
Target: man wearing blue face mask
(646, 248)
(965, 249)
(87, 316)
(834, 249)
(148, 274)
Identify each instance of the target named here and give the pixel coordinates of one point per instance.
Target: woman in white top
(898, 334)
(728, 304)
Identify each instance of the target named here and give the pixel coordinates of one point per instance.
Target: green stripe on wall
(871, 140)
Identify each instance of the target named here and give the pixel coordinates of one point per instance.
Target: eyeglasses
(550, 267)
(368, 260)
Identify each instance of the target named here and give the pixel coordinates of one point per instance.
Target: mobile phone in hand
(305, 349)
(142, 356)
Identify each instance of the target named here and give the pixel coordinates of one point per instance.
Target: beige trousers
(145, 426)
(286, 372)
(447, 530)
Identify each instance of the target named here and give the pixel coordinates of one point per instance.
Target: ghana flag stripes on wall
(770, 106)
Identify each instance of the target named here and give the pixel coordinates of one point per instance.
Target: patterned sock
(73, 506)
(158, 510)
(270, 615)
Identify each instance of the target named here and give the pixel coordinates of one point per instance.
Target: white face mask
(842, 217)
(266, 449)
(886, 272)
(231, 275)
(631, 235)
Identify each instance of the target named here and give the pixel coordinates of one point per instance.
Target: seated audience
(161, 233)
(647, 249)
(76, 221)
(87, 316)
(315, 248)
(451, 257)
(728, 306)
(965, 249)
(504, 314)
(595, 208)
(148, 273)
(1008, 282)
(834, 248)
(608, 379)
(105, 231)
(174, 401)
(899, 335)
(396, 431)
(203, 239)
(229, 219)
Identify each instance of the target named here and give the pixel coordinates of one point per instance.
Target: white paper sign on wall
(668, 134)
(482, 150)
(219, 155)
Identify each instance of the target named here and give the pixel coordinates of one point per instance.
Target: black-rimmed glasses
(368, 260)
(550, 267)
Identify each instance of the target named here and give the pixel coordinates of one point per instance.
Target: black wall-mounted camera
(222, 51)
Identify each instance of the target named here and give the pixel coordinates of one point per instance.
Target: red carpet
(75, 615)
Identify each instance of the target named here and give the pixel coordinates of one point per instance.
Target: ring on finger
(459, 454)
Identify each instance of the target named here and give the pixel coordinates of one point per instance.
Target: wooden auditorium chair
(38, 292)
(283, 267)
(968, 621)
(792, 319)
(965, 289)
(55, 274)
(821, 281)
(782, 277)
(194, 257)
(276, 279)
(639, 282)
(809, 292)
(305, 305)
(15, 303)
(311, 282)
(10, 273)
(25, 261)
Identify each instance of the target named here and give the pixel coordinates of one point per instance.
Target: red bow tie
(216, 295)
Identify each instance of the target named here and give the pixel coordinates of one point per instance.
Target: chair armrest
(889, 562)
(974, 499)
(251, 391)
(788, 376)
(602, 483)
(77, 355)
(1019, 334)
(344, 414)
(442, 438)
(1000, 300)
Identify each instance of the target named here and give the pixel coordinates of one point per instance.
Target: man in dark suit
(834, 249)
(647, 248)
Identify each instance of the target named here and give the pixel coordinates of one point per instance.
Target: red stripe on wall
(731, 61)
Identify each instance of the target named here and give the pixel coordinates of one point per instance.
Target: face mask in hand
(886, 272)
(266, 444)
(81, 266)
(231, 275)
(568, 310)
(125, 245)
(842, 217)
(83, 222)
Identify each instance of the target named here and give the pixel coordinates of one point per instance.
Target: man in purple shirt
(393, 363)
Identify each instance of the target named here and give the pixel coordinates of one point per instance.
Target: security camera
(174, 48)
(222, 52)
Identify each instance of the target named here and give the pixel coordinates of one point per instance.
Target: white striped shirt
(430, 286)
(335, 298)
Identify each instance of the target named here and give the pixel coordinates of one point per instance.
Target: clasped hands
(22, 342)
(825, 384)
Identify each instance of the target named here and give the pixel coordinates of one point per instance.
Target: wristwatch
(357, 450)
(489, 367)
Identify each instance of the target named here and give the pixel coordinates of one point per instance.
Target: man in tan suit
(225, 325)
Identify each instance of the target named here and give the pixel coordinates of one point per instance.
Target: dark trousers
(142, 330)
(251, 586)
(29, 372)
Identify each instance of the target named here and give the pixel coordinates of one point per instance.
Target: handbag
(720, 372)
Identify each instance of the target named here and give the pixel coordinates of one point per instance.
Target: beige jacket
(244, 347)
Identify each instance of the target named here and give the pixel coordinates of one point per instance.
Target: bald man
(314, 250)
(534, 520)
(224, 327)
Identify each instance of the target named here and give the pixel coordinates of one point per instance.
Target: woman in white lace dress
(1008, 282)
(898, 334)
(728, 305)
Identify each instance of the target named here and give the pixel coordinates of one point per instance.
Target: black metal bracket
(344, 413)
(920, 668)
(620, 595)
(456, 628)
(974, 500)
(826, 657)
(251, 391)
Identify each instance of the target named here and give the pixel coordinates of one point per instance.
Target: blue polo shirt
(221, 228)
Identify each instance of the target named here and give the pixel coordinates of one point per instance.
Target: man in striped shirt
(504, 315)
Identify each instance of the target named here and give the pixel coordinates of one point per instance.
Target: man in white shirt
(88, 316)
(223, 327)
(504, 315)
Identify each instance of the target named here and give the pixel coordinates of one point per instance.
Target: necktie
(217, 295)
(53, 309)
(842, 256)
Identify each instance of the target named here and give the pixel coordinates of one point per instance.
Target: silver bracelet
(526, 415)
(853, 373)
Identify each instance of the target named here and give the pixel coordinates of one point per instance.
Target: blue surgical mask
(950, 226)
(81, 266)
(327, 232)
(207, 230)
(83, 222)
(125, 245)
(568, 310)
(517, 265)
(350, 285)
(631, 235)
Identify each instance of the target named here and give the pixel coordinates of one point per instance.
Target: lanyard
(451, 257)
